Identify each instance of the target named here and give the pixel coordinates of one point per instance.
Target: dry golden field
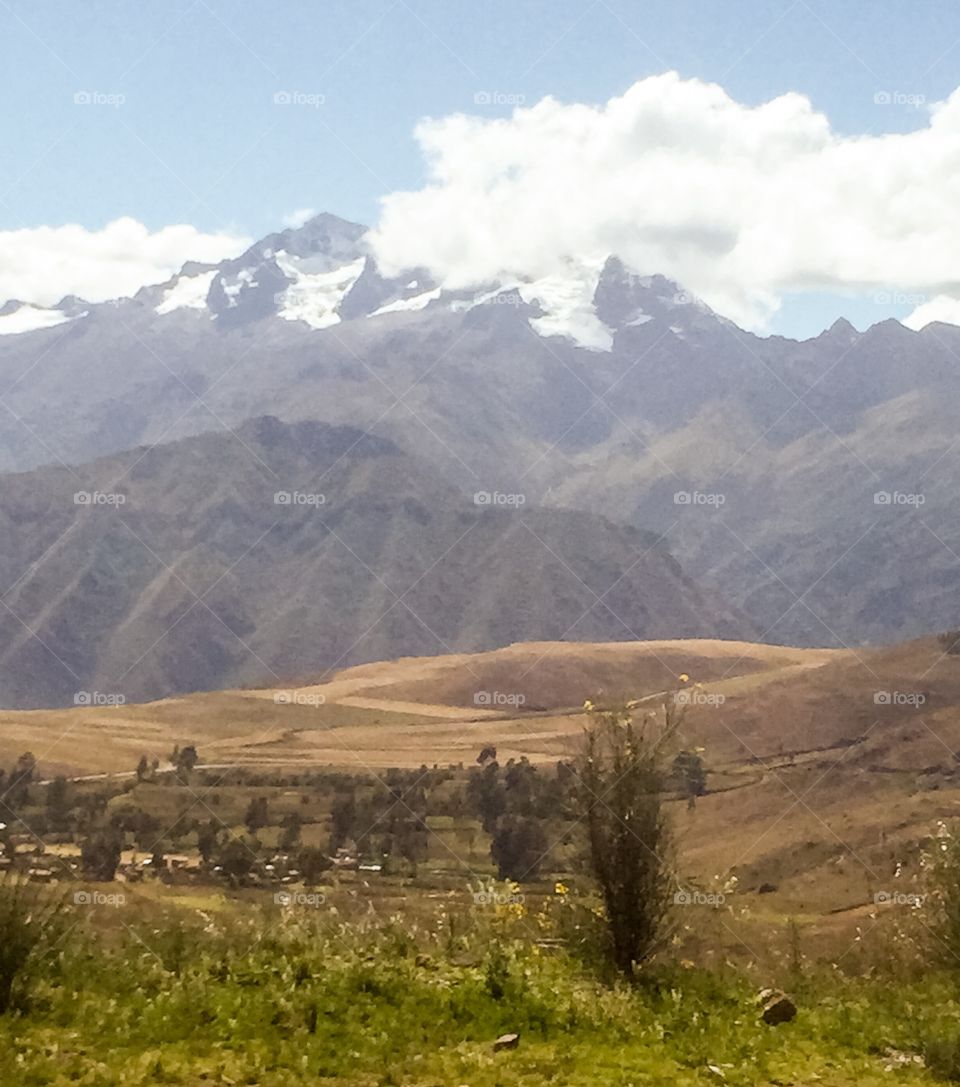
(526, 699)
(829, 769)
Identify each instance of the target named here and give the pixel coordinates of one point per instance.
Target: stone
(776, 1007)
(506, 1041)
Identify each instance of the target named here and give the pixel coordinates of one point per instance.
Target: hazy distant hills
(595, 390)
(283, 550)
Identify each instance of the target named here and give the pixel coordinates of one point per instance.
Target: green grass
(301, 997)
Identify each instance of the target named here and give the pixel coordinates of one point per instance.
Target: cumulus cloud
(740, 204)
(942, 308)
(298, 218)
(42, 264)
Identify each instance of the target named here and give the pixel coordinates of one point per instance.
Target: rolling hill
(276, 549)
(828, 769)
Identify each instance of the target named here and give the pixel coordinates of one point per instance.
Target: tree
(58, 804)
(290, 836)
(343, 819)
(257, 815)
(26, 767)
(100, 854)
(207, 838)
(622, 774)
(520, 782)
(158, 859)
(689, 776)
(486, 792)
(184, 760)
(19, 780)
(518, 847)
(236, 859)
(312, 863)
(407, 836)
(142, 768)
(145, 829)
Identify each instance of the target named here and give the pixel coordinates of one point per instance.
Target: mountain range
(811, 483)
(280, 550)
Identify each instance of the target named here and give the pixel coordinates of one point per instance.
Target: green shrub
(31, 926)
(942, 1056)
(622, 773)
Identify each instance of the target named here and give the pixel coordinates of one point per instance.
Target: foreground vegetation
(300, 996)
(314, 940)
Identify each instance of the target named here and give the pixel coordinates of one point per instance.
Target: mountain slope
(279, 549)
(597, 389)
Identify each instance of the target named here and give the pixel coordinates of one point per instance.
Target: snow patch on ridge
(567, 301)
(28, 318)
(189, 292)
(313, 297)
(418, 302)
(245, 278)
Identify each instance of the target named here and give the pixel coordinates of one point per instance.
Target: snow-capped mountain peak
(322, 273)
(17, 317)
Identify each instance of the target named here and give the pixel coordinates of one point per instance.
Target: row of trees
(614, 788)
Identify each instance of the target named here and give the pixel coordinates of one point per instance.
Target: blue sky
(199, 139)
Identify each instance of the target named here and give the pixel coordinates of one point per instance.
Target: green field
(187, 988)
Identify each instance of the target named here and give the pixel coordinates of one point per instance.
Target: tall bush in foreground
(31, 925)
(942, 915)
(622, 772)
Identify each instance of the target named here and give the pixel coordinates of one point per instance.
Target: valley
(479, 544)
(827, 770)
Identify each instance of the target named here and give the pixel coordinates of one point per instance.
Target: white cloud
(298, 218)
(42, 264)
(740, 204)
(941, 308)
